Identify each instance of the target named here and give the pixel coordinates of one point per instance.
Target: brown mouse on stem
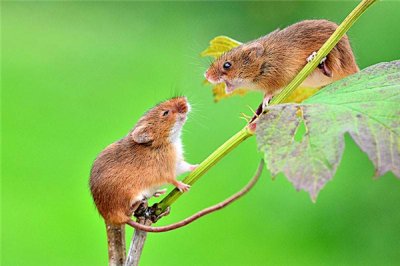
(131, 170)
(269, 63)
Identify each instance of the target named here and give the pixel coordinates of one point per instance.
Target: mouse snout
(182, 108)
(212, 76)
(209, 76)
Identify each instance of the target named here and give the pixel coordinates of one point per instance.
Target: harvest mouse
(269, 63)
(135, 167)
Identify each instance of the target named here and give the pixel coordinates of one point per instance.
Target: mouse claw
(311, 57)
(182, 187)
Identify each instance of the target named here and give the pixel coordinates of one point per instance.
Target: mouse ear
(141, 134)
(255, 49)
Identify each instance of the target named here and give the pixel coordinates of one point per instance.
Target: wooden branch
(116, 244)
(136, 248)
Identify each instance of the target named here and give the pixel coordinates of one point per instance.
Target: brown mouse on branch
(131, 170)
(269, 63)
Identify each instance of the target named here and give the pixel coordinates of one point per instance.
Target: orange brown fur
(269, 63)
(126, 168)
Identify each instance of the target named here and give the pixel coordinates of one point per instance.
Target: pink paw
(193, 167)
(266, 100)
(182, 186)
(160, 192)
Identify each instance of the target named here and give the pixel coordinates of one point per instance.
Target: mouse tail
(203, 212)
(165, 228)
(116, 244)
(192, 218)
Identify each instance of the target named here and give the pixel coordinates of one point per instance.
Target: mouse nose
(182, 107)
(210, 76)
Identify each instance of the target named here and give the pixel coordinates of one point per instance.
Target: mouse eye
(227, 65)
(166, 113)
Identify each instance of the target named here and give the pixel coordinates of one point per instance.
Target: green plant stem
(245, 133)
(324, 51)
(211, 160)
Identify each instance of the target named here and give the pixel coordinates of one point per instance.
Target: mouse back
(272, 61)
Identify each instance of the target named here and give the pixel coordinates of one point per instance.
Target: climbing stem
(211, 160)
(324, 51)
(246, 132)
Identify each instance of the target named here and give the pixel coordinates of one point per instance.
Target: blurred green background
(76, 76)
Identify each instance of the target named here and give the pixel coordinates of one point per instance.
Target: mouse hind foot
(322, 65)
(266, 100)
(160, 192)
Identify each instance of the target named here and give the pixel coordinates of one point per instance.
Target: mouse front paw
(311, 57)
(182, 186)
(193, 167)
(160, 192)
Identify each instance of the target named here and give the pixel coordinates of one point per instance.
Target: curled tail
(203, 212)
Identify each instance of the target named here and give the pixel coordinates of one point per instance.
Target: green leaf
(365, 105)
(220, 45)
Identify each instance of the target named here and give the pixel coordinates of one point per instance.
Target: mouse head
(163, 123)
(237, 67)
